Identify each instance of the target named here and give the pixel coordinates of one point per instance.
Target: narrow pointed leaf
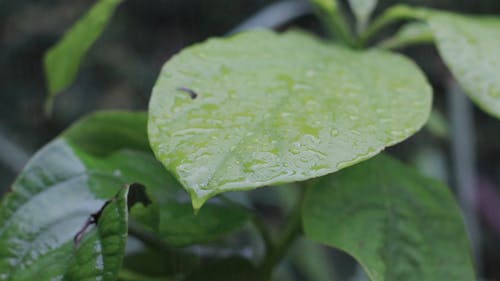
(276, 108)
(362, 10)
(409, 34)
(398, 224)
(62, 61)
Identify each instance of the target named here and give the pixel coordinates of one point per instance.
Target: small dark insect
(191, 93)
(93, 219)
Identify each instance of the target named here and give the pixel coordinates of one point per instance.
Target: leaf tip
(198, 200)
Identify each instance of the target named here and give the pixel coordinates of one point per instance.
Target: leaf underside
(398, 224)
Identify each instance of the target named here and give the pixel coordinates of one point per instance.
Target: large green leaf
(48, 205)
(470, 48)
(398, 224)
(62, 61)
(278, 108)
(64, 183)
(468, 45)
(125, 133)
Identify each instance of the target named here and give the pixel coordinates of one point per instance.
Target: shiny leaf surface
(275, 108)
(470, 47)
(64, 183)
(175, 222)
(398, 224)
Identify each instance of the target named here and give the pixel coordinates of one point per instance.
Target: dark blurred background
(121, 68)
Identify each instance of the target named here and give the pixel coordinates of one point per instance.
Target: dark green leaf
(64, 183)
(229, 269)
(396, 223)
(102, 133)
(99, 254)
(279, 108)
(62, 61)
(48, 205)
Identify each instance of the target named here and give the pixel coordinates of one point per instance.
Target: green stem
(293, 228)
(264, 232)
(154, 242)
(391, 15)
(332, 17)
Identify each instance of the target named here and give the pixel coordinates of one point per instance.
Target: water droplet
(224, 70)
(396, 133)
(297, 87)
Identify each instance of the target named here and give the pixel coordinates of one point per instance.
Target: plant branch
(154, 242)
(391, 15)
(264, 232)
(330, 13)
(293, 228)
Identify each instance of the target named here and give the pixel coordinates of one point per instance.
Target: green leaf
(398, 224)
(41, 216)
(470, 47)
(125, 134)
(61, 62)
(64, 183)
(410, 34)
(274, 108)
(329, 11)
(362, 10)
(106, 244)
(228, 269)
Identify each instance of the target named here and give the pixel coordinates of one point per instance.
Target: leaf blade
(468, 46)
(62, 61)
(398, 230)
(290, 122)
(64, 183)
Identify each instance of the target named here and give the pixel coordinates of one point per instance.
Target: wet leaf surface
(279, 108)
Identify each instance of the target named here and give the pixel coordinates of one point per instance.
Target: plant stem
(154, 242)
(276, 252)
(393, 14)
(264, 232)
(332, 17)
